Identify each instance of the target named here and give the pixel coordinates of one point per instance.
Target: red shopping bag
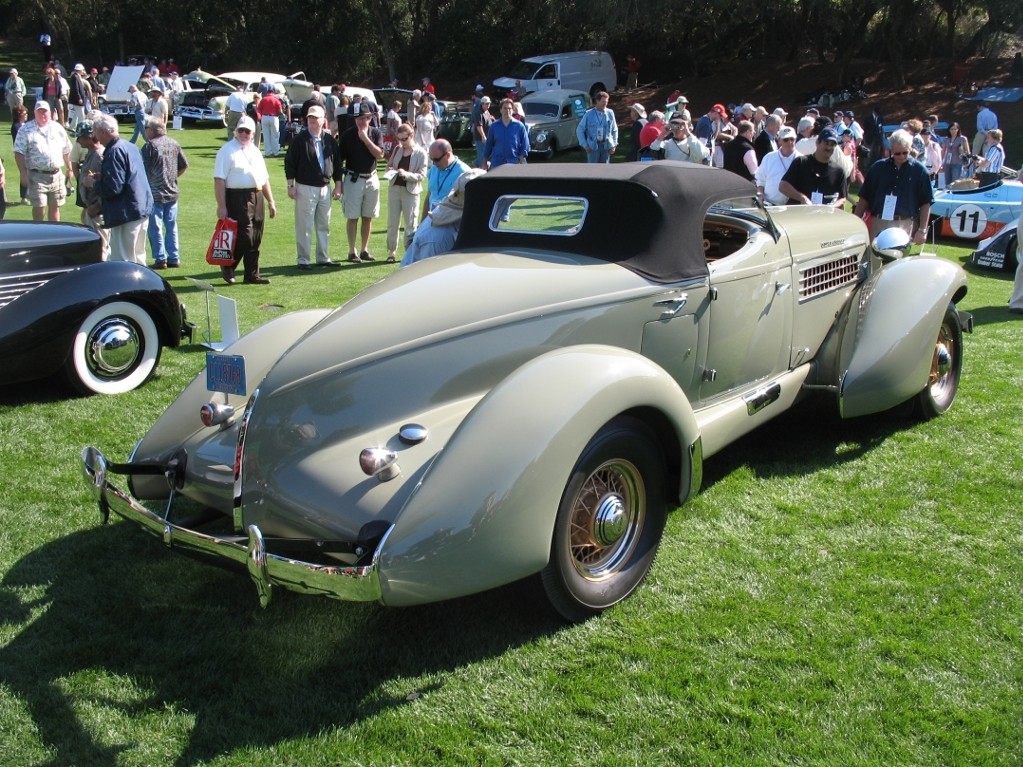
(221, 249)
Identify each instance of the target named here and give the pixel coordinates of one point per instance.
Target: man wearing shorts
(43, 153)
(360, 148)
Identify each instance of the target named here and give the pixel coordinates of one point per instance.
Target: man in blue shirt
(897, 192)
(444, 171)
(507, 139)
(598, 131)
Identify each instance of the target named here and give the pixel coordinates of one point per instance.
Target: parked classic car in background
(972, 211)
(533, 403)
(203, 97)
(62, 309)
(552, 117)
(999, 251)
(454, 116)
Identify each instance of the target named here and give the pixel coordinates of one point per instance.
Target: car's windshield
(523, 70)
(541, 108)
(743, 207)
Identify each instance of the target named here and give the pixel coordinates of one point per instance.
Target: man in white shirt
(773, 166)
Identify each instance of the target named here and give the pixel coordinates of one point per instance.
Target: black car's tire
(115, 350)
(946, 367)
(609, 522)
(552, 147)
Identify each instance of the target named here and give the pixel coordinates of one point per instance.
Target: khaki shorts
(362, 197)
(46, 188)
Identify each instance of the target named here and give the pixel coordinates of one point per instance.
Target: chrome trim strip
(337, 581)
(695, 466)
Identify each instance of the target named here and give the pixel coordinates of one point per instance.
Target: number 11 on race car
(968, 221)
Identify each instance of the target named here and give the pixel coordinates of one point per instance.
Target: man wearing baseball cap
(79, 97)
(310, 164)
(774, 165)
(360, 148)
(813, 179)
(14, 90)
(43, 153)
(708, 126)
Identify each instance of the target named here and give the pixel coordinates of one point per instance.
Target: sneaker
(365, 256)
(354, 258)
(257, 281)
(390, 259)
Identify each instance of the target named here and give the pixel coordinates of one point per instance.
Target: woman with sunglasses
(406, 170)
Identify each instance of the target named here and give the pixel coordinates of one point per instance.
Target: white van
(588, 71)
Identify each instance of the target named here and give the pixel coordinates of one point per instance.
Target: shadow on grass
(806, 439)
(50, 389)
(112, 605)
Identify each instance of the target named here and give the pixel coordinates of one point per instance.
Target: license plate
(225, 373)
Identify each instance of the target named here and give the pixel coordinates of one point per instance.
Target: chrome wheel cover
(113, 348)
(606, 520)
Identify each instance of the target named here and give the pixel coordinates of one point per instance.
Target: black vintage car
(102, 324)
(455, 116)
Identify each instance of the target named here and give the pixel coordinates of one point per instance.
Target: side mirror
(891, 244)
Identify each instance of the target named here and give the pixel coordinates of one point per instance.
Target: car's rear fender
(887, 341)
(483, 514)
(179, 426)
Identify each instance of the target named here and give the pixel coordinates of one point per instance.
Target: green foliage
(357, 41)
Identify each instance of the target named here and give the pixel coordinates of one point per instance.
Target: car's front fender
(889, 334)
(37, 329)
(484, 512)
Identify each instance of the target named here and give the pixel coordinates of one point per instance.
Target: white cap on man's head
(245, 123)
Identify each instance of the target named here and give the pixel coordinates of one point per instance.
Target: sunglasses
(899, 154)
(406, 137)
(242, 130)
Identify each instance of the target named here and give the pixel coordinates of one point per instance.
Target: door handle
(675, 305)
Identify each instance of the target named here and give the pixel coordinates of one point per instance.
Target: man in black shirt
(360, 148)
(814, 179)
(311, 162)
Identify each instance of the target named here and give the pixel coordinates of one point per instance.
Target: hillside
(928, 90)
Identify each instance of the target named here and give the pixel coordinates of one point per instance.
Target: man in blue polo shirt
(897, 192)
(445, 168)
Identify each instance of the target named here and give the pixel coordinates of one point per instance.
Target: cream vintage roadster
(533, 403)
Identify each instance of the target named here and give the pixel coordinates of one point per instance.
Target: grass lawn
(839, 593)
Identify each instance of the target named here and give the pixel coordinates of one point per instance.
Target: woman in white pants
(406, 169)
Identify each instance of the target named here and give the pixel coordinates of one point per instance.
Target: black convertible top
(647, 217)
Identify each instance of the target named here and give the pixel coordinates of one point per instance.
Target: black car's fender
(37, 329)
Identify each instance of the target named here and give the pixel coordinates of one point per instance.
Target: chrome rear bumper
(345, 582)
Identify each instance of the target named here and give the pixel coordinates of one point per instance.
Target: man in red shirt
(651, 131)
(269, 110)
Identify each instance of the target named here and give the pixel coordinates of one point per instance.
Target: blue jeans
(140, 123)
(481, 147)
(164, 242)
(600, 154)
